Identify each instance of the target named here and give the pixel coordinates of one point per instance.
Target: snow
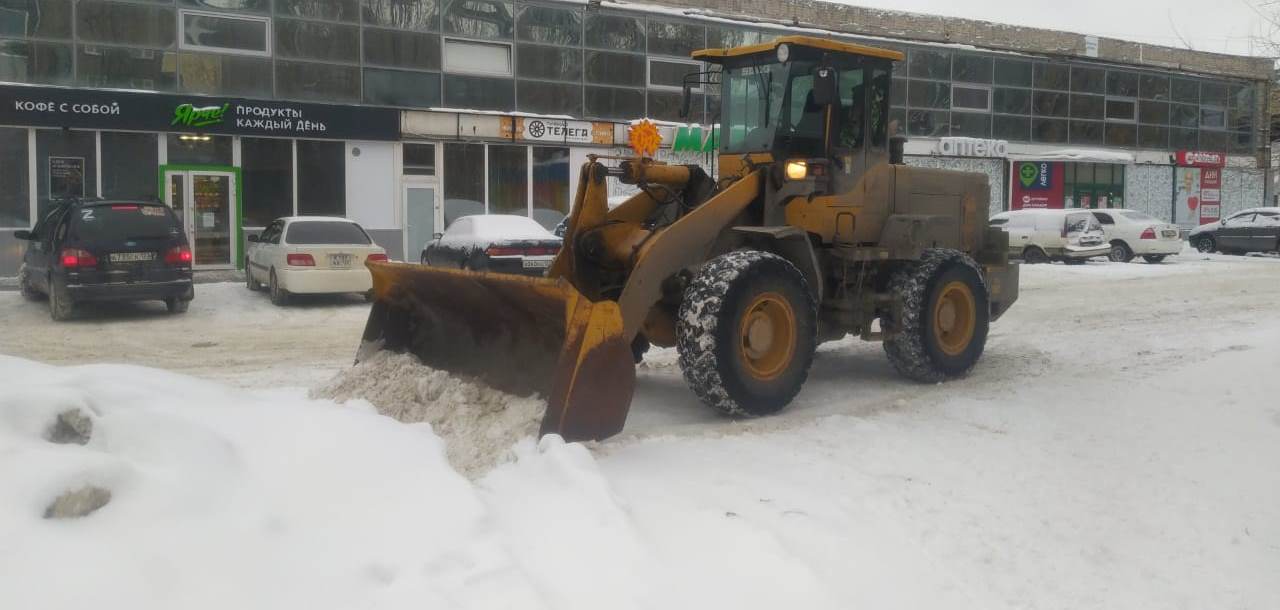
(1115, 448)
(495, 227)
(1077, 154)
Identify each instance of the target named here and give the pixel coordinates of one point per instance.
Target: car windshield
(499, 226)
(119, 222)
(325, 232)
(1139, 216)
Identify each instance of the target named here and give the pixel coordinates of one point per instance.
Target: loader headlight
(784, 53)
(797, 170)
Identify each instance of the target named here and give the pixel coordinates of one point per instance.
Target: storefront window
(191, 149)
(36, 18)
(66, 165)
(224, 74)
(463, 181)
(550, 98)
(508, 180)
(478, 92)
(401, 49)
(614, 32)
(419, 159)
(401, 88)
(313, 40)
(266, 166)
(549, 25)
(125, 24)
(15, 189)
(550, 185)
(418, 15)
(479, 18)
(322, 178)
(126, 68)
(318, 81)
(35, 62)
(129, 162)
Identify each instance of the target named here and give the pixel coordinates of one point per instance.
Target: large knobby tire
(945, 317)
(746, 333)
(1120, 252)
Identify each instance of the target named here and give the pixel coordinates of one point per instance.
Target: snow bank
(479, 424)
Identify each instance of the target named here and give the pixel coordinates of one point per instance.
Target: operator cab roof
(823, 44)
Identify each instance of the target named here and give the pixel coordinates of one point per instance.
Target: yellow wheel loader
(813, 230)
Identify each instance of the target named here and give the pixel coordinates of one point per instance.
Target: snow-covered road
(1117, 447)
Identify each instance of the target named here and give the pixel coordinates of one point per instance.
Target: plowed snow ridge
(478, 424)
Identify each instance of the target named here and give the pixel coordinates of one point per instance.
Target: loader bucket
(521, 335)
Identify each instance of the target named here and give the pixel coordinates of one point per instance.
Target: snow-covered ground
(1118, 447)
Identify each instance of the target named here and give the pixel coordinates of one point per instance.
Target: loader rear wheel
(746, 333)
(944, 317)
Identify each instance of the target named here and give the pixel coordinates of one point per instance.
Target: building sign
(1037, 185)
(1210, 194)
(643, 137)
(1195, 158)
(559, 131)
(972, 147)
(66, 176)
(97, 109)
(695, 138)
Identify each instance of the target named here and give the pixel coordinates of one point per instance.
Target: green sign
(696, 139)
(192, 116)
(1028, 172)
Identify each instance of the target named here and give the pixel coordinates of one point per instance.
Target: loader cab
(815, 105)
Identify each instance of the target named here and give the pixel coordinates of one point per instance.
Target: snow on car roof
(317, 218)
(505, 226)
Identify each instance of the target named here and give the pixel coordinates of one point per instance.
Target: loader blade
(521, 335)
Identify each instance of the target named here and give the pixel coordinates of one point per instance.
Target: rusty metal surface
(518, 334)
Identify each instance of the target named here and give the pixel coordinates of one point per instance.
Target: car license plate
(1169, 233)
(537, 264)
(131, 257)
(339, 260)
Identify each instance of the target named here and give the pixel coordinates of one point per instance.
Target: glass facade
(564, 59)
(15, 187)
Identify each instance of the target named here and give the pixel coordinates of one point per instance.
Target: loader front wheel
(944, 317)
(746, 333)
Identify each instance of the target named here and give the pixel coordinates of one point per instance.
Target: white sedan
(311, 255)
(1132, 233)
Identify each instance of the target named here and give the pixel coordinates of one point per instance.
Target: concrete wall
(993, 168)
(1149, 189)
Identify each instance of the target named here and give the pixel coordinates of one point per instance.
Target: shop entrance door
(420, 218)
(205, 201)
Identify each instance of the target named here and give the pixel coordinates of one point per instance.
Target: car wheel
(1154, 259)
(1034, 256)
(279, 296)
(61, 307)
(28, 291)
(1206, 245)
(249, 281)
(177, 305)
(1120, 252)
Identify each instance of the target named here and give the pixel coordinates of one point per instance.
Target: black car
(1252, 230)
(498, 243)
(106, 250)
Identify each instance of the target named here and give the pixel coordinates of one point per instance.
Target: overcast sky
(1224, 26)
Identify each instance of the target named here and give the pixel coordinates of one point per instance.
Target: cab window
(852, 110)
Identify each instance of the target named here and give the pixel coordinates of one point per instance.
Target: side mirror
(826, 89)
(254, 239)
(437, 235)
(24, 235)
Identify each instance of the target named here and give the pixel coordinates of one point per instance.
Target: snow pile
(479, 424)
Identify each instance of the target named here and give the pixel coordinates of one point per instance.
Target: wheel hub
(768, 336)
(955, 318)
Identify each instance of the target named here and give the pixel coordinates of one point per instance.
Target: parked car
(1041, 236)
(1253, 230)
(1132, 233)
(311, 255)
(106, 250)
(494, 242)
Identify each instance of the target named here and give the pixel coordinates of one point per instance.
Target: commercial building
(403, 114)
